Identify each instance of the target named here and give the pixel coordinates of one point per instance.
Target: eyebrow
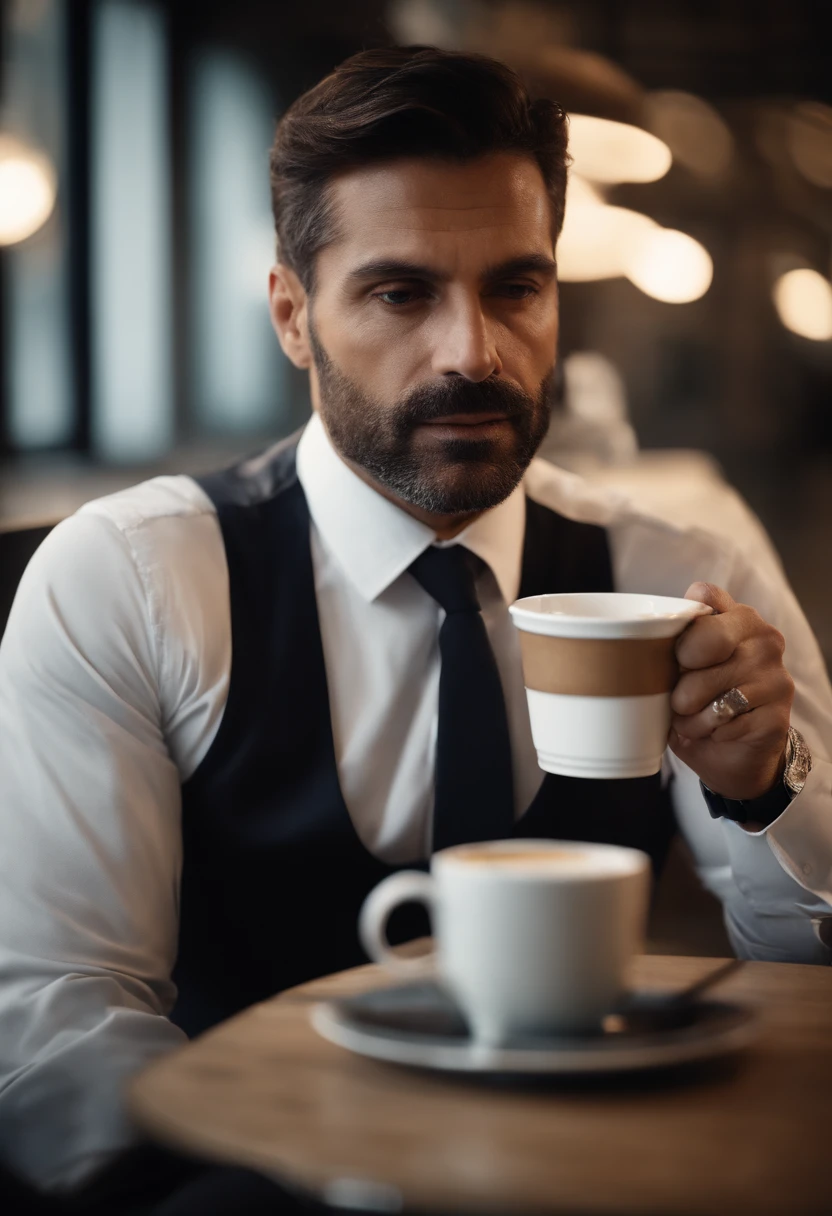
(536, 263)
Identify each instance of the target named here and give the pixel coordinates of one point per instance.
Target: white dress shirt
(114, 673)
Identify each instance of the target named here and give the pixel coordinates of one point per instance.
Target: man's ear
(288, 306)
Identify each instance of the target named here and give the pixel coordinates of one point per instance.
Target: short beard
(455, 477)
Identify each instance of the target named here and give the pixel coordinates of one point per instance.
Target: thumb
(708, 593)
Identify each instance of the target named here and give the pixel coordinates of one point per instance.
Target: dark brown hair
(381, 105)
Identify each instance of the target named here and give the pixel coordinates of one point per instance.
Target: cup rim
(635, 861)
(672, 615)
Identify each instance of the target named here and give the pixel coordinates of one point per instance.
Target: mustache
(460, 396)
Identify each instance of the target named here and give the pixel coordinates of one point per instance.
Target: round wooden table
(745, 1136)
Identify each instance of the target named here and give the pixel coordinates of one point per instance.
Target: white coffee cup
(599, 668)
(531, 936)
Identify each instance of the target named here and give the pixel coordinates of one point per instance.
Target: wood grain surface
(747, 1135)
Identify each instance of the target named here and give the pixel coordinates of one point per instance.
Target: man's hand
(744, 758)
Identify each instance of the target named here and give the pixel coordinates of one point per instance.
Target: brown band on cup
(599, 667)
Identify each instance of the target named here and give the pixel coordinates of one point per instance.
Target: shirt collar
(374, 541)
(497, 537)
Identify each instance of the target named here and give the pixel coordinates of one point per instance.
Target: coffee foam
(524, 856)
(586, 860)
(525, 859)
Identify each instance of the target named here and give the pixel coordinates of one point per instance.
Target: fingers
(768, 701)
(741, 760)
(713, 640)
(763, 725)
(756, 661)
(735, 648)
(710, 640)
(709, 593)
(758, 728)
(755, 669)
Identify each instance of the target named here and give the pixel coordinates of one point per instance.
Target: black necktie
(474, 787)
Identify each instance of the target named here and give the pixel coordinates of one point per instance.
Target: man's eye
(517, 291)
(399, 297)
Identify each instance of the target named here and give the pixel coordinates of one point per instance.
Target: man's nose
(465, 344)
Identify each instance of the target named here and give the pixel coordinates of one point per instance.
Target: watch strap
(763, 810)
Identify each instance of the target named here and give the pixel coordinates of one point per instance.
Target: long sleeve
(768, 914)
(775, 885)
(780, 886)
(90, 854)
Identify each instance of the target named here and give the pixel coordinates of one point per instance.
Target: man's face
(433, 327)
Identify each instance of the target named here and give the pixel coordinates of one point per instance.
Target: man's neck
(446, 527)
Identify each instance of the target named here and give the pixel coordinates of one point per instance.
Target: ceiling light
(595, 241)
(579, 191)
(809, 137)
(27, 190)
(595, 237)
(695, 133)
(669, 266)
(803, 299)
(607, 151)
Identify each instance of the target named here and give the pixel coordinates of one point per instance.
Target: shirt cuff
(801, 838)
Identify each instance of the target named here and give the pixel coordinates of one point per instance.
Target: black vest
(274, 873)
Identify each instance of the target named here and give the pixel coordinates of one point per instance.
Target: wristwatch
(764, 810)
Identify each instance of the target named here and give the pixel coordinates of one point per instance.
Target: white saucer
(418, 1025)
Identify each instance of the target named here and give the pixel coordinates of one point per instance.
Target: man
(249, 680)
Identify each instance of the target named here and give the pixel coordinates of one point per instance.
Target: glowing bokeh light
(695, 133)
(595, 240)
(809, 138)
(669, 266)
(606, 151)
(803, 299)
(595, 236)
(27, 190)
(580, 192)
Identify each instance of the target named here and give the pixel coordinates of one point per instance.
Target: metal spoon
(646, 1012)
(707, 981)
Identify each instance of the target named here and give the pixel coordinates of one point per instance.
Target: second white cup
(531, 936)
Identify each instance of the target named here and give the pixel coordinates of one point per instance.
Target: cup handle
(372, 922)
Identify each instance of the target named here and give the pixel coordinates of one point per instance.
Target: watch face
(799, 763)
